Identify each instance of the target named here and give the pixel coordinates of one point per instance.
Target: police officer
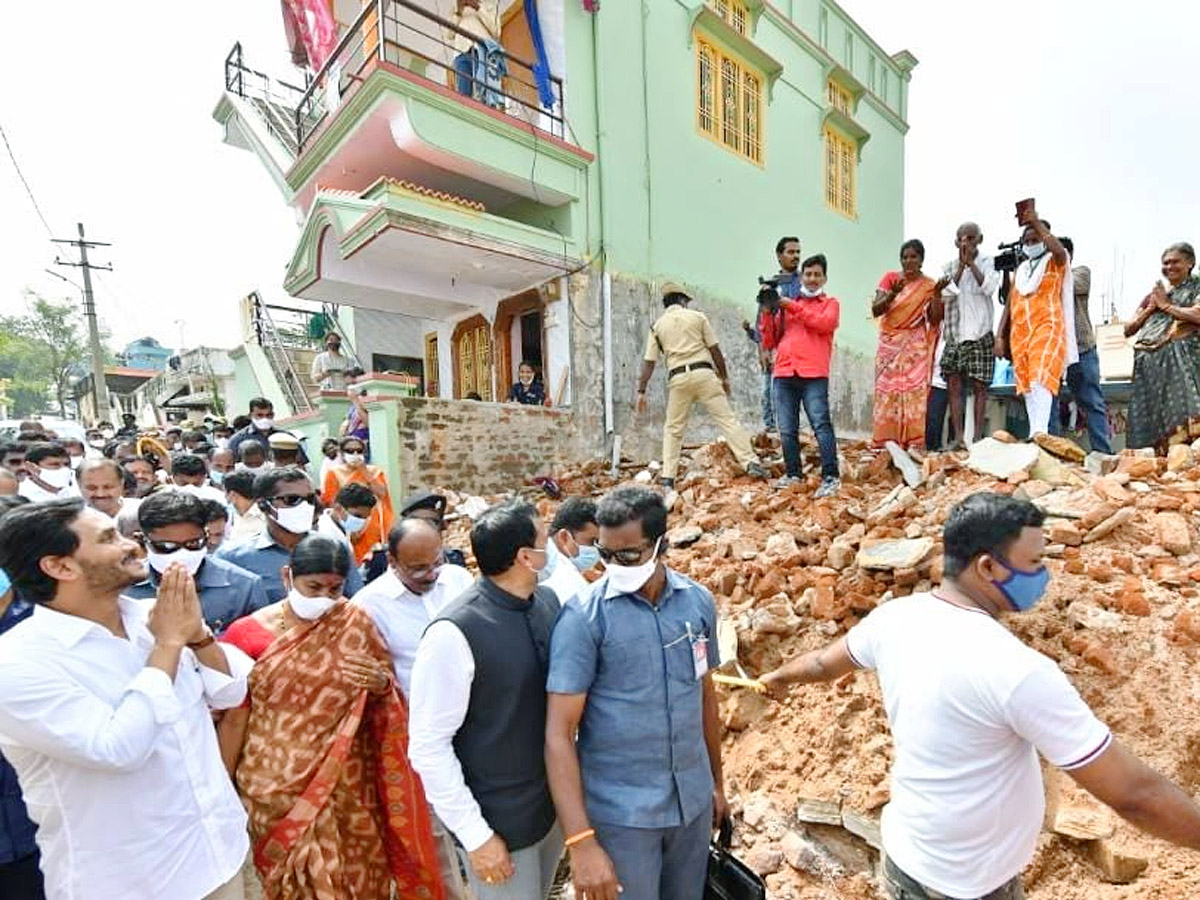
(695, 374)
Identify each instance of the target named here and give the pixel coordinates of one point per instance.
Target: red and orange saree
(335, 809)
(903, 362)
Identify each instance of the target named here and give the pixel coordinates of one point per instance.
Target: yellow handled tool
(734, 681)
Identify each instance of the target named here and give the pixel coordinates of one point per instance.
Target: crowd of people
(938, 347)
(170, 712)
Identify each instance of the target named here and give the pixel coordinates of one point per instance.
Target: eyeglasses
(629, 556)
(171, 546)
(423, 571)
(291, 500)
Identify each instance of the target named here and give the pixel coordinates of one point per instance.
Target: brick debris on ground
(808, 778)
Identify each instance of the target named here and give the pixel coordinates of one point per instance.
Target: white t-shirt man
(970, 707)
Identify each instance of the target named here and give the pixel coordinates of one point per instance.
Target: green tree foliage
(42, 352)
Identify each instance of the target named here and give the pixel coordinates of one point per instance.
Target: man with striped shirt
(971, 707)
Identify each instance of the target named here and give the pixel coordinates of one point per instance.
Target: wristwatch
(204, 641)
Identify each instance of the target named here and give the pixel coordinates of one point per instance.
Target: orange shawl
(335, 809)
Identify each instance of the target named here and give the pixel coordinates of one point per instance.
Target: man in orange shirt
(1041, 321)
(799, 327)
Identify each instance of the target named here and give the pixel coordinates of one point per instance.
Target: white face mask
(354, 459)
(354, 524)
(191, 559)
(56, 478)
(263, 423)
(96, 444)
(1034, 252)
(253, 470)
(222, 443)
(547, 570)
(629, 579)
(308, 608)
(806, 291)
(76, 461)
(296, 519)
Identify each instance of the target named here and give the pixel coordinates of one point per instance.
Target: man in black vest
(477, 716)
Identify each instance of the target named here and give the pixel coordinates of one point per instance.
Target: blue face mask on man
(1023, 589)
(5, 582)
(587, 558)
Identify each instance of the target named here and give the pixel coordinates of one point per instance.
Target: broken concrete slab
(991, 457)
(908, 466)
(1111, 524)
(819, 811)
(684, 535)
(1117, 866)
(1101, 463)
(896, 502)
(863, 824)
(807, 855)
(898, 554)
(1053, 471)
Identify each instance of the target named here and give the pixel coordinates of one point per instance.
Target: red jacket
(801, 334)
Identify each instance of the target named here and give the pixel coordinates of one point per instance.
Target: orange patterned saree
(335, 809)
(903, 363)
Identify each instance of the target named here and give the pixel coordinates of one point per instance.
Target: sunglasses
(171, 546)
(290, 500)
(630, 556)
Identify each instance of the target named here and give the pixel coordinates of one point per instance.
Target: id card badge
(699, 653)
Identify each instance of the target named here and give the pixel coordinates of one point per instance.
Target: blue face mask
(5, 582)
(1023, 589)
(587, 558)
(216, 477)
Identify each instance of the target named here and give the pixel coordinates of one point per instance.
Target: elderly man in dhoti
(1041, 318)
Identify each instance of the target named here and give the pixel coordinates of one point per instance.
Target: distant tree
(41, 351)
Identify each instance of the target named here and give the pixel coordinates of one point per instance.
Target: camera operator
(1040, 320)
(685, 340)
(799, 328)
(969, 357)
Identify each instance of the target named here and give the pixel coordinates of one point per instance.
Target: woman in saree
(1165, 407)
(320, 753)
(353, 468)
(908, 305)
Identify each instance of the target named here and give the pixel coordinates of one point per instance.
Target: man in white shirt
(970, 357)
(102, 485)
(418, 585)
(571, 548)
(964, 824)
(105, 715)
(48, 473)
(477, 714)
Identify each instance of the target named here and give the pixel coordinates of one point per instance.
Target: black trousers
(22, 880)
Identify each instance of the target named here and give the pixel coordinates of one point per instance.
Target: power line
(28, 190)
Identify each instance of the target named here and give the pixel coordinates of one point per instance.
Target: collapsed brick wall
(479, 448)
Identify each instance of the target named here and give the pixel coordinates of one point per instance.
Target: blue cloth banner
(541, 65)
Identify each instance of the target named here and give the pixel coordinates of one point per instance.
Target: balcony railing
(275, 100)
(406, 35)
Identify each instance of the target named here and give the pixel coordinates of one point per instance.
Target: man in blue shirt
(172, 525)
(637, 796)
(289, 503)
(20, 876)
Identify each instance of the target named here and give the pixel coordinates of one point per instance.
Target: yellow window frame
(839, 97)
(432, 378)
(729, 101)
(841, 173)
(735, 14)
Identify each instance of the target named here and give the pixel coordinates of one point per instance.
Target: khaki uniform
(682, 337)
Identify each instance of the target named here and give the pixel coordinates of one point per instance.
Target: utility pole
(89, 311)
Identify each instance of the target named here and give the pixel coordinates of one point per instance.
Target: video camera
(768, 293)
(1009, 257)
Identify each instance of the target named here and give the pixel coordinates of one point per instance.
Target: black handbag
(728, 877)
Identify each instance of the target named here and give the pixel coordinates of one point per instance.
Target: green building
(683, 138)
